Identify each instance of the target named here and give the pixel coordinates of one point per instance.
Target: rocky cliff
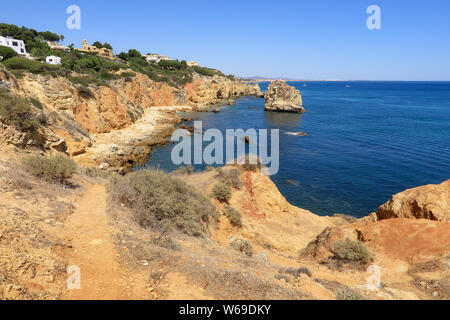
(426, 202)
(283, 98)
(75, 114)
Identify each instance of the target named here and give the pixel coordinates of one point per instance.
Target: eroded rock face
(283, 98)
(427, 202)
(205, 91)
(397, 239)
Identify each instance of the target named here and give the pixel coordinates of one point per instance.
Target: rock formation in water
(283, 98)
(426, 202)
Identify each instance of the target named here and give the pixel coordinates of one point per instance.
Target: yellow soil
(93, 251)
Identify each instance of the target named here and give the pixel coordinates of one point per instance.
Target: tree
(107, 46)
(133, 53)
(124, 56)
(184, 64)
(170, 64)
(49, 36)
(7, 52)
(97, 44)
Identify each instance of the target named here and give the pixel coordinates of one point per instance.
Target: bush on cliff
(161, 202)
(20, 65)
(221, 192)
(353, 253)
(16, 111)
(163, 72)
(7, 52)
(230, 178)
(31, 37)
(53, 169)
(233, 215)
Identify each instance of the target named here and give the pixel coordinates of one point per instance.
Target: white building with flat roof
(17, 45)
(156, 58)
(53, 60)
(193, 64)
(57, 46)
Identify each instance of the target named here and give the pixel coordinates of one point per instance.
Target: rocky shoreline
(98, 130)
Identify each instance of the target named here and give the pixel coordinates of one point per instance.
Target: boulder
(427, 202)
(283, 98)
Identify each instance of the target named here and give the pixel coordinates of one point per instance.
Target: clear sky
(303, 39)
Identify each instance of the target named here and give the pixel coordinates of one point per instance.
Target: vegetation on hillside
(94, 70)
(17, 111)
(7, 52)
(163, 203)
(32, 38)
(352, 253)
(222, 192)
(52, 169)
(233, 215)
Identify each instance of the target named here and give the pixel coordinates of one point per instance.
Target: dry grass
(53, 169)
(230, 177)
(163, 203)
(242, 245)
(233, 215)
(221, 192)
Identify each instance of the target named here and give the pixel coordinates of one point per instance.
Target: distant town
(18, 45)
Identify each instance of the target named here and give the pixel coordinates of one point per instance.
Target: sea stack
(281, 97)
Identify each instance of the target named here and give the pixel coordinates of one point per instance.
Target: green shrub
(207, 71)
(85, 92)
(16, 111)
(53, 169)
(7, 52)
(233, 215)
(21, 65)
(133, 53)
(221, 192)
(351, 252)
(36, 103)
(128, 74)
(160, 201)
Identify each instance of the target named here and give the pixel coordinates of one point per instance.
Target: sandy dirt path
(102, 277)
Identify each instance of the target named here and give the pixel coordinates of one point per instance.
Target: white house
(57, 46)
(53, 60)
(17, 45)
(156, 58)
(193, 64)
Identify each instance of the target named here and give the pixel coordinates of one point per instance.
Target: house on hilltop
(193, 64)
(53, 60)
(17, 45)
(57, 46)
(101, 52)
(156, 58)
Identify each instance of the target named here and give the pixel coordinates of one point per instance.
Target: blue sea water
(367, 141)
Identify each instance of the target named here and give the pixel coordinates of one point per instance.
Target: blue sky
(303, 39)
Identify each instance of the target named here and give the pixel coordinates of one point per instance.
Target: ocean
(366, 141)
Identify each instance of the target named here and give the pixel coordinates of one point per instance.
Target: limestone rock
(283, 98)
(426, 202)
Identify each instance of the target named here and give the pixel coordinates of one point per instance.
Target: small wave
(298, 134)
